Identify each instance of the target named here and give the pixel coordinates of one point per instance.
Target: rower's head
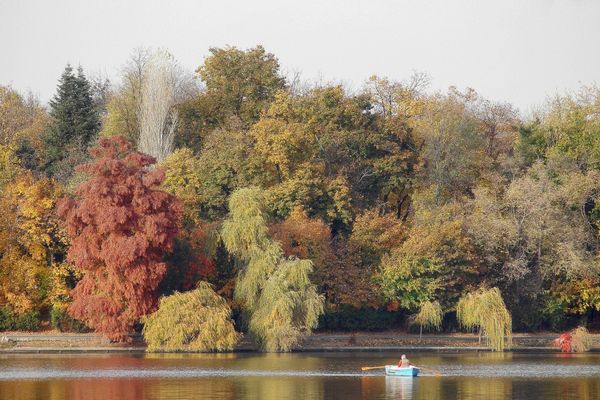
(403, 357)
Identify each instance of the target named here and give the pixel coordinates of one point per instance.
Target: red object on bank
(564, 342)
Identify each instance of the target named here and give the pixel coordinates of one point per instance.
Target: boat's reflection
(399, 387)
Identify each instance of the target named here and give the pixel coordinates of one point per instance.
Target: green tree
(241, 83)
(183, 180)
(572, 127)
(531, 143)
(276, 291)
(75, 123)
(452, 149)
(324, 150)
(22, 122)
(388, 177)
(535, 235)
(226, 163)
(567, 127)
(437, 259)
(328, 199)
(189, 260)
(407, 281)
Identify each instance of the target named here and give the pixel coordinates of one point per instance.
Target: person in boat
(404, 363)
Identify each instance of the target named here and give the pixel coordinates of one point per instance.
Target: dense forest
(194, 206)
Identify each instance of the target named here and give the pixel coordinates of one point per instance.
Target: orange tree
(120, 224)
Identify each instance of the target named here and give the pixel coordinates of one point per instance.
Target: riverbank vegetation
(430, 316)
(485, 311)
(197, 320)
(305, 205)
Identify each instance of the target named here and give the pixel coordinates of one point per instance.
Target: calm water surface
(297, 376)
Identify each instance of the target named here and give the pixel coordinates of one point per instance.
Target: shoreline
(398, 349)
(90, 343)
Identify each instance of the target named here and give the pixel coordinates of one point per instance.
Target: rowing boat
(394, 370)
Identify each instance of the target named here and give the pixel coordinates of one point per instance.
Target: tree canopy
(120, 224)
(75, 123)
(305, 205)
(276, 291)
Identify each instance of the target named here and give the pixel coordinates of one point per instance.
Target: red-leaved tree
(120, 224)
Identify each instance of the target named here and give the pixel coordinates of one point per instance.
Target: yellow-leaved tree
(29, 235)
(275, 291)
(9, 165)
(485, 310)
(198, 320)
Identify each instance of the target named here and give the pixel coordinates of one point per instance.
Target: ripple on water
(481, 370)
(27, 374)
(522, 370)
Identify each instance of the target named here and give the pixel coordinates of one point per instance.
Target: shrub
(577, 340)
(61, 320)
(11, 321)
(197, 320)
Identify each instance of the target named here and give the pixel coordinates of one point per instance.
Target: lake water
(488, 376)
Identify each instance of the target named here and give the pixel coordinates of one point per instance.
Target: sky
(518, 51)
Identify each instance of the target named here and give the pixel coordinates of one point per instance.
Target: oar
(368, 368)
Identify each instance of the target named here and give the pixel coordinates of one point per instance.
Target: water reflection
(490, 389)
(399, 387)
(486, 376)
(176, 389)
(74, 389)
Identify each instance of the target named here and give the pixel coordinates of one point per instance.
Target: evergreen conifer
(75, 123)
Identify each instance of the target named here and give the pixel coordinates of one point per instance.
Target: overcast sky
(511, 50)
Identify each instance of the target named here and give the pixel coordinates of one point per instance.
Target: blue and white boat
(394, 370)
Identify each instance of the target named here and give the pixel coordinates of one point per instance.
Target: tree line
(193, 206)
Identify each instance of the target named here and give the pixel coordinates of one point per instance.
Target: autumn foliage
(355, 207)
(28, 236)
(120, 225)
(575, 341)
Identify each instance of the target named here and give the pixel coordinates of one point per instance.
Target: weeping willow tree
(197, 320)
(485, 310)
(275, 291)
(429, 317)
